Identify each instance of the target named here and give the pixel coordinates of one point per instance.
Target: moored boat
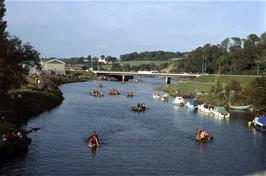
(247, 107)
(192, 104)
(220, 112)
(165, 97)
(156, 96)
(260, 123)
(205, 108)
(179, 101)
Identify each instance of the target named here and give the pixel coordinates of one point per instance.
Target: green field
(203, 84)
(140, 62)
(242, 79)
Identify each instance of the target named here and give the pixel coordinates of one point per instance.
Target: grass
(202, 85)
(224, 79)
(187, 89)
(140, 62)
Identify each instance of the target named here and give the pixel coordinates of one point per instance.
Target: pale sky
(66, 28)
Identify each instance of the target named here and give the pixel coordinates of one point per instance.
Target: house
(102, 60)
(54, 66)
(31, 68)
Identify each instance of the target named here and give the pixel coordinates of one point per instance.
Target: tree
(116, 67)
(3, 76)
(217, 88)
(12, 55)
(225, 44)
(256, 93)
(233, 91)
(253, 38)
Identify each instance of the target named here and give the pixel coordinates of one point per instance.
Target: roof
(55, 60)
(194, 102)
(262, 119)
(221, 109)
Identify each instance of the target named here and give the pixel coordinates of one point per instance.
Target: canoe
(91, 145)
(247, 107)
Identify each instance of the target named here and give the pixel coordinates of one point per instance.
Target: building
(31, 68)
(54, 66)
(102, 60)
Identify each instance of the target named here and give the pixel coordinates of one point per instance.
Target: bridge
(123, 76)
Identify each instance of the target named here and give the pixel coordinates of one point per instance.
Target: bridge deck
(146, 74)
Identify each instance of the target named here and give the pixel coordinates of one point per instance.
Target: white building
(54, 66)
(102, 60)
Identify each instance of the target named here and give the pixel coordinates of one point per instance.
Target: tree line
(151, 55)
(135, 68)
(13, 54)
(232, 56)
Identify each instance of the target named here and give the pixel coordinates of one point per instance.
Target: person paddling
(93, 139)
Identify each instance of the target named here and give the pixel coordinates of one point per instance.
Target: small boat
(203, 136)
(139, 107)
(260, 122)
(96, 93)
(220, 112)
(129, 94)
(247, 107)
(92, 145)
(99, 85)
(205, 108)
(113, 91)
(192, 104)
(165, 97)
(156, 96)
(179, 101)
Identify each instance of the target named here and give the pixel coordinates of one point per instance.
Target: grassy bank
(200, 87)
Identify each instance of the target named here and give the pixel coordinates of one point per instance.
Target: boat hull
(239, 107)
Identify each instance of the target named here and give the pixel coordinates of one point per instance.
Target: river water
(158, 141)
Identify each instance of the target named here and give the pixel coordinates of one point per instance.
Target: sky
(68, 28)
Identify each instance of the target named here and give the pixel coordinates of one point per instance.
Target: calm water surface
(156, 142)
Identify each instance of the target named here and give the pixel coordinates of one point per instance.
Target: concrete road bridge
(125, 76)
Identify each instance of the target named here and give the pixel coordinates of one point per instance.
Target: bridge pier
(123, 78)
(168, 80)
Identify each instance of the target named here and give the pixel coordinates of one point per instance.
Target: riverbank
(200, 88)
(39, 95)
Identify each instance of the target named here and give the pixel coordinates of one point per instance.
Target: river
(158, 141)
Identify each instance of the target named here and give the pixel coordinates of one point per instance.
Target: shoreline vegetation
(30, 100)
(222, 90)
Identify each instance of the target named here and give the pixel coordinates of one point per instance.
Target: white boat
(165, 97)
(179, 101)
(205, 108)
(260, 123)
(192, 104)
(220, 112)
(156, 96)
(247, 107)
